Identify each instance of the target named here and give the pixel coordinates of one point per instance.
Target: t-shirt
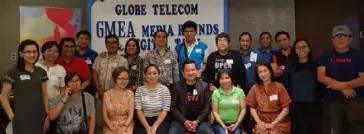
(228, 105)
(342, 67)
(152, 102)
(71, 119)
(56, 76)
(76, 65)
(192, 103)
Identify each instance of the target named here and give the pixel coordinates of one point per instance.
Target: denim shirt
(250, 59)
(265, 56)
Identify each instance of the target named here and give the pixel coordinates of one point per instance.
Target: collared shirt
(280, 58)
(76, 65)
(197, 52)
(136, 71)
(89, 56)
(105, 66)
(265, 56)
(250, 59)
(168, 65)
(228, 105)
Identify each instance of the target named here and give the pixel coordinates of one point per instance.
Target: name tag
(167, 61)
(247, 65)
(114, 64)
(24, 77)
(253, 57)
(235, 101)
(273, 97)
(230, 61)
(134, 67)
(198, 50)
(88, 61)
(195, 92)
(109, 106)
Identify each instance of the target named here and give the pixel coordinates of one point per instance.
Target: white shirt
(56, 76)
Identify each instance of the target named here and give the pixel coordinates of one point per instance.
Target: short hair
(49, 45)
(69, 76)
(263, 33)
(222, 35)
(117, 71)
(159, 30)
(67, 39)
(111, 36)
(188, 61)
(257, 78)
(151, 65)
(127, 43)
(224, 71)
(281, 33)
(246, 33)
(20, 62)
(83, 32)
(189, 24)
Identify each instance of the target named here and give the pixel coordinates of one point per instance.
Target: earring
(21, 55)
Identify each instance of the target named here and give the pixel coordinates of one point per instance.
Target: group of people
(75, 90)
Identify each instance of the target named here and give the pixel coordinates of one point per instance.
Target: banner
(44, 24)
(141, 18)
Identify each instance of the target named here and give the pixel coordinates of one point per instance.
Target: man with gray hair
(342, 71)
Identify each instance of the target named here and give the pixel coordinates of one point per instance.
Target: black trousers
(248, 122)
(305, 117)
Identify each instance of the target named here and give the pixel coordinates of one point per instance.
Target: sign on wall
(141, 18)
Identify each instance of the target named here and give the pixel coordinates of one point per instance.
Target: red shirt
(76, 65)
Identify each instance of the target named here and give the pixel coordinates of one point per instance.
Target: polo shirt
(265, 56)
(89, 56)
(280, 58)
(342, 67)
(228, 105)
(76, 65)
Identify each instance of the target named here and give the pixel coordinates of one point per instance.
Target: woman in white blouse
(56, 73)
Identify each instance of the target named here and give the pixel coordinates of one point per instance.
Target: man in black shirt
(191, 102)
(224, 58)
(279, 59)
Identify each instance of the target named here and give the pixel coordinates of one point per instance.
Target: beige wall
(9, 20)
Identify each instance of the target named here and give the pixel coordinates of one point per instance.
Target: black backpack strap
(84, 110)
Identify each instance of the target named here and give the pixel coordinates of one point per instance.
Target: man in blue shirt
(342, 71)
(250, 58)
(266, 51)
(191, 48)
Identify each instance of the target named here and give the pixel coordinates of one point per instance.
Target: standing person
(166, 60)
(191, 116)
(102, 73)
(28, 82)
(266, 51)
(56, 74)
(250, 58)
(300, 80)
(73, 64)
(75, 110)
(152, 103)
(228, 105)
(280, 58)
(342, 71)
(269, 103)
(132, 50)
(86, 53)
(224, 58)
(191, 48)
(118, 105)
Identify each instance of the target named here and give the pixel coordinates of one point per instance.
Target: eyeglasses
(67, 46)
(52, 51)
(122, 78)
(301, 48)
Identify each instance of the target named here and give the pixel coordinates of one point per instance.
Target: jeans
(178, 128)
(344, 117)
(219, 130)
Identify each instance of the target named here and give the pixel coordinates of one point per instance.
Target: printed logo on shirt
(192, 97)
(341, 60)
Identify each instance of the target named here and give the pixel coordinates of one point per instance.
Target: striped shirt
(152, 102)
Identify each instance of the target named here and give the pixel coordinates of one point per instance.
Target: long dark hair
(294, 59)
(20, 62)
(257, 78)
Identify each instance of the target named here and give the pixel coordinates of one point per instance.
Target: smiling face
(68, 49)
(283, 42)
(190, 72)
(264, 73)
(83, 40)
(122, 80)
(302, 49)
(245, 42)
(51, 54)
(225, 81)
(342, 41)
(152, 75)
(75, 84)
(160, 39)
(265, 40)
(112, 45)
(222, 44)
(131, 47)
(30, 54)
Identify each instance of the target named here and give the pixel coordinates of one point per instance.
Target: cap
(341, 29)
